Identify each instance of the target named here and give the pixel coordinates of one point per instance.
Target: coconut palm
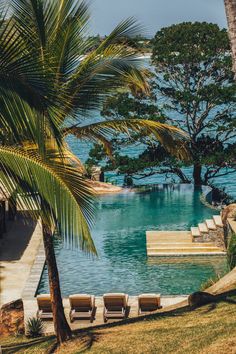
(49, 79)
(230, 8)
(82, 77)
(32, 158)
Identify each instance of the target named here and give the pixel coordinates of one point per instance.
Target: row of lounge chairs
(82, 306)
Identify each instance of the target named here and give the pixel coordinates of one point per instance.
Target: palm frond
(98, 77)
(91, 135)
(172, 138)
(64, 197)
(21, 70)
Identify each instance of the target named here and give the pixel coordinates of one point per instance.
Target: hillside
(209, 329)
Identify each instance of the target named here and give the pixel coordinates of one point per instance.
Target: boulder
(228, 212)
(200, 298)
(12, 318)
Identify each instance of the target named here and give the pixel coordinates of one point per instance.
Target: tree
(47, 86)
(194, 90)
(230, 8)
(193, 74)
(29, 165)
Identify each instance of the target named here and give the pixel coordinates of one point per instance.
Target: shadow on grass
(19, 347)
(90, 335)
(87, 340)
(93, 334)
(226, 297)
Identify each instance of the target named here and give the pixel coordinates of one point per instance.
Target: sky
(154, 14)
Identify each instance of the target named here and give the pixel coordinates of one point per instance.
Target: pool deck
(19, 248)
(178, 243)
(167, 302)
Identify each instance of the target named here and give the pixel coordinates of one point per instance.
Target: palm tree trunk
(230, 8)
(62, 329)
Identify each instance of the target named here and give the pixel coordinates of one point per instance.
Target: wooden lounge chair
(82, 306)
(115, 305)
(148, 303)
(44, 306)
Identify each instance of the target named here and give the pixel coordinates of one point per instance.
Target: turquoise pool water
(119, 235)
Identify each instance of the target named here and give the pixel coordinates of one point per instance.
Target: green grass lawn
(209, 329)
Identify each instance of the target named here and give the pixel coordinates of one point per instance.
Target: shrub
(209, 282)
(34, 327)
(231, 252)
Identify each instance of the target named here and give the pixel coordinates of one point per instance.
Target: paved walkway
(18, 249)
(30, 307)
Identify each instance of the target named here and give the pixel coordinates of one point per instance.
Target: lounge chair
(115, 305)
(148, 303)
(44, 306)
(82, 306)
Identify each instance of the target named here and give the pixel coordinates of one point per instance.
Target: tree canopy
(192, 88)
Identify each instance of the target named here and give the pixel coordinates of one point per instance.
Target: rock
(12, 318)
(200, 298)
(228, 212)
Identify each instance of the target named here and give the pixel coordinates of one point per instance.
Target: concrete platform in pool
(178, 243)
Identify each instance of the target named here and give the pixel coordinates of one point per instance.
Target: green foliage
(34, 327)
(193, 74)
(231, 252)
(51, 75)
(123, 105)
(193, 89)
(209, 282)
(191, 43)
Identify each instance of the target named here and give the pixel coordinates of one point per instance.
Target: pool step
(180, 243)
(171, 253)
(203, 228)
(184, 249)
(166, 236)
(210, 224)
(218, 220)
(195, 232)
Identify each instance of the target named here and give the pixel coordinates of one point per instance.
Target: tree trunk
(197, 174)
(230, 8)
(62, 329)
(181, 175)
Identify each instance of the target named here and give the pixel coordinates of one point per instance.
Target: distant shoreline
(104, 188)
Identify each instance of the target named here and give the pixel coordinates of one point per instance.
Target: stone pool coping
(35, 275)
(168, 303)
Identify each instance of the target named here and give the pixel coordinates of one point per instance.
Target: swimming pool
(119, 234)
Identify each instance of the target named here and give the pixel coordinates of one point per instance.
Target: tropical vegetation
(231, 251)
(50, 79)
(192, 88)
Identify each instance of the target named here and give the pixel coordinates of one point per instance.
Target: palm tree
(49, 79)
(82, 77)
(230, 8)
(33, 160)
